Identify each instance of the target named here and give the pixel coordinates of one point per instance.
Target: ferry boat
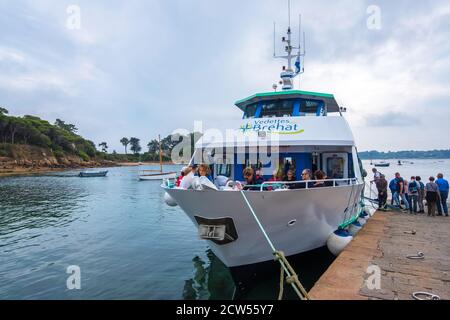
(301, 130)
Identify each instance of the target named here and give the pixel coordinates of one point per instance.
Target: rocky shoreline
(39, 161)
(24, 167)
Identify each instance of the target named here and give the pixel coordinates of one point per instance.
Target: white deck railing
(307, 183)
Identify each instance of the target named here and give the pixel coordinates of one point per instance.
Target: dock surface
(385, 241)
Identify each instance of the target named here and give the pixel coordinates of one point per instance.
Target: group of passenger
(254, 179)
(412, 194)
(186, 177)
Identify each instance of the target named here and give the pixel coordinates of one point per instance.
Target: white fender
(354, 228)
(169, 200)
(338, 240)
(362, 221)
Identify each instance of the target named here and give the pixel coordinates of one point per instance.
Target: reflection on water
(211, 280)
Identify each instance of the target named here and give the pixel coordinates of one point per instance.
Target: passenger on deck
(259, 179)
(249, 183)
(188, 179)
(290, 177)
(275, 176)
(181, 176)
(204, 171)
(306, 176)
(328, 183)
(319, 176)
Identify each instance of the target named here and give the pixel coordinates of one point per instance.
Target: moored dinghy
(92, 174)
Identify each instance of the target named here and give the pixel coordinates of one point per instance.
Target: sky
(143, 68)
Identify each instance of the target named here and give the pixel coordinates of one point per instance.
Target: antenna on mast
(289, 13)
(288, 74)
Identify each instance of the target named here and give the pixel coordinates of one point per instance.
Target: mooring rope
(292, 277)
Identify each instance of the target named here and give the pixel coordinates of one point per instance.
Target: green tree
(66, 126)
(153, 146)
(104, 147)
(135, 145)
(125, 142)
(3, 111)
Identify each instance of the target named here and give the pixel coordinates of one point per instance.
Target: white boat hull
(317, 213)
(158, 176)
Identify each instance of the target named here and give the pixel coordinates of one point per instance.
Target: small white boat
(153, 175)
(382, 164)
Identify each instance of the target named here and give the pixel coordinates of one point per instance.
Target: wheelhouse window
(311, 107)
(335, 167)
(279, 109)
(250, 111)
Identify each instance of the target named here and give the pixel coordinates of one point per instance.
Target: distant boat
(157, 174)
(93, 174)
(382, 164)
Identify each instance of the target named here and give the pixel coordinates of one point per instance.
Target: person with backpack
(413, 192)
(421, 194)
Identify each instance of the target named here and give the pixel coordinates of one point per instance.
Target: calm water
(127, 242)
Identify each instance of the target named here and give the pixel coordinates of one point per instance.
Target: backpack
(412, 186)
(422, 186)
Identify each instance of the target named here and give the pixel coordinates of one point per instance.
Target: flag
(297, 65)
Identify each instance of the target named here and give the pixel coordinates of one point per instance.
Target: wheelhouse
(310, 130)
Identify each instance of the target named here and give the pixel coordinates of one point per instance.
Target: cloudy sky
(139, 68)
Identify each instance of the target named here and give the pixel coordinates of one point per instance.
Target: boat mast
(160, 153)
(288, 74)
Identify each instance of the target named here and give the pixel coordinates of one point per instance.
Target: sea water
(124, 240)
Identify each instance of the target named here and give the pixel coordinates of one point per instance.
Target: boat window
(310, 107)
(250, 111)
(279, 109)
(223, 170)
(335, 167)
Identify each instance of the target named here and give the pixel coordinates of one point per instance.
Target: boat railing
(308, 183)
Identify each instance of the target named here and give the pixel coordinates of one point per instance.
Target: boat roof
(293, 131)
(330, 101)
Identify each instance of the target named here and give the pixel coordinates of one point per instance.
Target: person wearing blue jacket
(443, 190)
(393, 188)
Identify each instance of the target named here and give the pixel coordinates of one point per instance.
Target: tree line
(60, 138)
(153, 148)
(411, 154)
